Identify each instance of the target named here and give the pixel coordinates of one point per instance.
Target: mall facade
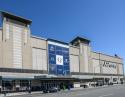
(28, 61)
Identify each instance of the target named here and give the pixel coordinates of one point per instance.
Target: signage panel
(58, 59)
(109, 67)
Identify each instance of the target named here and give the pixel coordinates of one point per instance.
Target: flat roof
(41, 38)
(50, 39)
(106, 54)
(80, 38)
(54, 40)
(15, 17)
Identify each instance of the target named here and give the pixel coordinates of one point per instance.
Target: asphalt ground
(111, 91)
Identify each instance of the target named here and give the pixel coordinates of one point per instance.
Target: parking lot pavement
(112, 91)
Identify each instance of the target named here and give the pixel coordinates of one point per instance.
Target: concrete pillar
(17, 85)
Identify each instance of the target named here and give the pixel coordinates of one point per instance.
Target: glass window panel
(59, 52)
(52, 59)
(59, 48)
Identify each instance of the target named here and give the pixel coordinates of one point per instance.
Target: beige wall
(74, 59)
(108, 60)
(120, 69)
(8, 45)
(96, 66)
(84, 57)
(39, 59)
(92, 62)
(28, 43)
(38, 43)
(90, 67)
(27, 50)
(74, 50)
(74, 63)
(95, 55)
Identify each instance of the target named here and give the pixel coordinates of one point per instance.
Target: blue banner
(58, 60)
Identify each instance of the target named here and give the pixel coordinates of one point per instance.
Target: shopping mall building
(36, 62)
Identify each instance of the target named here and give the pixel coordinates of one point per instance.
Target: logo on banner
(59, 60)
(51, 48)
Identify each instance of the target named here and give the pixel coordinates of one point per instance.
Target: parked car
(36, 88)
(122, 82)
(51, 90)
(45, 90)
(99, 83)
(85, 85)
(110, 83)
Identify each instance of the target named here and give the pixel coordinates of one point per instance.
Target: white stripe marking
(82, 94)
(106, 95)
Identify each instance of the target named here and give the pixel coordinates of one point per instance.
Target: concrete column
(17, 85)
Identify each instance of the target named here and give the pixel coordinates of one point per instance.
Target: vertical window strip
(7, 31)
(17, 47)
(26, 36)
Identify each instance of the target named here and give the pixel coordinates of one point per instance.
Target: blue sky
(102, 21)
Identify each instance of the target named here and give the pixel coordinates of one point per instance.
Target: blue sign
(58, 60)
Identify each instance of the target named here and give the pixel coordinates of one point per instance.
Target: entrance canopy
(55, 78)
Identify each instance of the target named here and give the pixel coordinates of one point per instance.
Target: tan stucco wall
(110, 58)
(27, 50)
(101, 56)
(115, 60)
(85, 57)
(8, 46)
(38, 43)
(74, 59)
(74, 50)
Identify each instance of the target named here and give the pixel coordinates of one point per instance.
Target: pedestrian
(29, 90)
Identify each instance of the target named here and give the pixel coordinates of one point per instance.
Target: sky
(101, 21)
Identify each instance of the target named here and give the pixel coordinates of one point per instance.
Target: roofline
(74, 46)
(33, 36)
(107, 55)
(15, 17)
(80, 38)
(84, 38)
(54, 40)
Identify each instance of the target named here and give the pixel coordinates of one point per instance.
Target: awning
(10, 78)
(54, 78)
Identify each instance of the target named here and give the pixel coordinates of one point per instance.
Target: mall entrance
(60, 83)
